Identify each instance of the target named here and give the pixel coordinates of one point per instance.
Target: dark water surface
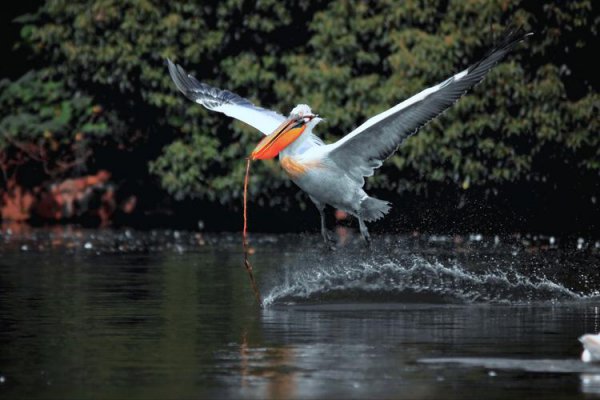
(104, 314)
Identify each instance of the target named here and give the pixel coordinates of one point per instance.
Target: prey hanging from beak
(269, 147)
(289, 130)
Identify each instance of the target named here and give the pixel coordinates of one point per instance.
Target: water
(105, 314)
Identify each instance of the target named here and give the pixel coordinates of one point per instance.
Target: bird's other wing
(365, 148)
(224, 101)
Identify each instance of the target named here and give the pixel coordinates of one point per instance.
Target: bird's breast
(297, 169)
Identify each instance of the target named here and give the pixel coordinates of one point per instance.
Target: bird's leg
(329, 241)
(364, 231)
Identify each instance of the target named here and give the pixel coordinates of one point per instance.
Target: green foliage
(46, 110)
(49, 124)
(348, 60)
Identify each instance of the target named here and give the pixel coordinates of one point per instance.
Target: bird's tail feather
(371, 209)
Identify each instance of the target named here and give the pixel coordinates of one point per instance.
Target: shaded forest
(90, 116)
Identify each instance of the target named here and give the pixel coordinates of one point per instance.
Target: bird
(591, 348)
(334, 174)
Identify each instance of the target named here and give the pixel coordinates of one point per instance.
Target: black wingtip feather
(176, 76)
(197, 91)
(510, 37)
(184, 82)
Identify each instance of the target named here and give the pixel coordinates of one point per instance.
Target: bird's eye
(299, 123)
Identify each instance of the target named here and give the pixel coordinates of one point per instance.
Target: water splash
(406, 278)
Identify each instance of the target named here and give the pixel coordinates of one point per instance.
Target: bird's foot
(367, 241)
(330, 242)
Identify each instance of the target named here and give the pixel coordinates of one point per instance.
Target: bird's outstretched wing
(365, 148)
(224, 101)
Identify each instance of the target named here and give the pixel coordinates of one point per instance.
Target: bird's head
(590, 340)
(271, 145)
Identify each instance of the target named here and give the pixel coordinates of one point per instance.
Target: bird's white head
(303, 112)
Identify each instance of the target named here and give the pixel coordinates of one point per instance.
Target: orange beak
(272, 144)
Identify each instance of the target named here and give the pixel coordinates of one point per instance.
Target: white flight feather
(266, 122)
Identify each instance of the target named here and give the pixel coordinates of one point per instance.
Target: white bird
(334, 173)
(591, 348)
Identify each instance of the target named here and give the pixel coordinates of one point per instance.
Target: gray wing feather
(224, 101)
(364, 149)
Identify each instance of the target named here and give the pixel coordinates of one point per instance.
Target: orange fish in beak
(271, 145)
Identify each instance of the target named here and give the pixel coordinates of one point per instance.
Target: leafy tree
(52, 128)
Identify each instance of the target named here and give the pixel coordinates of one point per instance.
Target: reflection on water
(265, 371)
(590, 383)
(588, 373)
(526, 364)
(170, 315)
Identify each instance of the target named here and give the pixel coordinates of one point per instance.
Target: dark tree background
(87, 87)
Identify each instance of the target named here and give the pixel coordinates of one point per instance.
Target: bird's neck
(304, 142)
